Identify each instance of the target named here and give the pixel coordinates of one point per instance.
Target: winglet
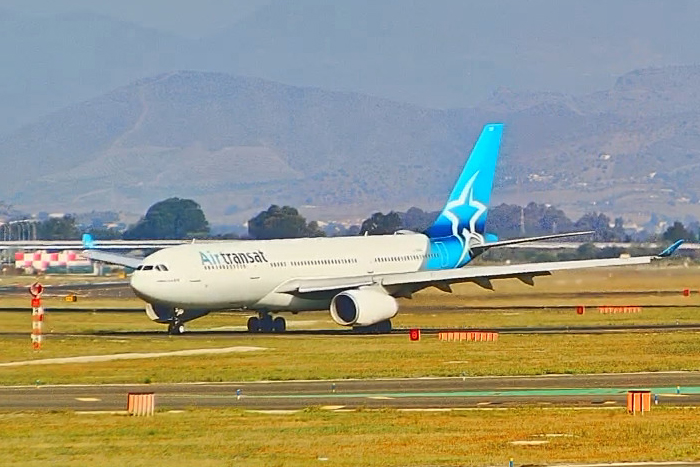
(88, 242)
(670, 250)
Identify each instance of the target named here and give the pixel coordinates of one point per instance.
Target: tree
(381, 224)
(678, 232)
(173, 218)
(58, 228)
(600, 223)
(418, 220)
(282, 222)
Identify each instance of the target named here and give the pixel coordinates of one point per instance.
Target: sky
(193, 19)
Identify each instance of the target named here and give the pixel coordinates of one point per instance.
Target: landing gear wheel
(176, 328)
(384, 327)
(266, 324)
(253, 324)
(279, 324)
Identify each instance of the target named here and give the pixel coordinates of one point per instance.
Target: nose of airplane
(143, 286)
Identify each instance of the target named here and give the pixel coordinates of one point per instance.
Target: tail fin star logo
(468, 236)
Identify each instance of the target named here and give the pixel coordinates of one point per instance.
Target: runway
(605, 390)
(217, 333)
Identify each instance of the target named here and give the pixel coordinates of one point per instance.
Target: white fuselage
(246, 273)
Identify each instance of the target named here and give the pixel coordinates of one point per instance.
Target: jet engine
(362, 307)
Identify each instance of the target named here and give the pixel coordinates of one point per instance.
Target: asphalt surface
(607, 390)
(213, 334)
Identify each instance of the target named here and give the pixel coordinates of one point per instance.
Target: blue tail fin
(461, 223)
(88, 242)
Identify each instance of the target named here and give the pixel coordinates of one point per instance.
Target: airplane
(357, 279)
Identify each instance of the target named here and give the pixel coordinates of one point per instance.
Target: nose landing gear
(176, 327)
(265, 324)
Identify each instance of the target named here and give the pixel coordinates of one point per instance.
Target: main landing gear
(382, 327)
(265, 323)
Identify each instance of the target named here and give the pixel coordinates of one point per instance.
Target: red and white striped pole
(36, 290)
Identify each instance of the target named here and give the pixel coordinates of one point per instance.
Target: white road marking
(131, 356)
(88, 399)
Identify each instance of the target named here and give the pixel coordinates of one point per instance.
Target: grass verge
(369, 438)
(324, 357)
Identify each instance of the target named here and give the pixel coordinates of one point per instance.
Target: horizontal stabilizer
(670, 250)
(482, 248)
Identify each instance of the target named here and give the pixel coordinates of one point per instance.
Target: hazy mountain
(240, 144)
(52, 62)
(231, 142)
(438, 53)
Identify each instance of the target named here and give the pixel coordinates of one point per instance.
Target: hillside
(239, 144)
(439, 54)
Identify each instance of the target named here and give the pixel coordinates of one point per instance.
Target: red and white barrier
(141, 404)
(37, 315)
(619, 309)
(474, 336)
(41, 260)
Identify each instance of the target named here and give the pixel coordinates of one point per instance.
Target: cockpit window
(139, 267)
(163, 267)
(147, 267)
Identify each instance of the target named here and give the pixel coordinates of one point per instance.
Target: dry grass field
(225, 437)
(347, 356)
(365, 438)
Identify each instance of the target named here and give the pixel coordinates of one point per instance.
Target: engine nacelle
(362, 307)
(164, 314)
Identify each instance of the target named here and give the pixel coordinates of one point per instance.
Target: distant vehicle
(357, 278)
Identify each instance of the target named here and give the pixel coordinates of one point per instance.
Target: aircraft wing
(112, 258)
(442, 278)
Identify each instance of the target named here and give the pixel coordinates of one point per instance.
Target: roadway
(604, 390)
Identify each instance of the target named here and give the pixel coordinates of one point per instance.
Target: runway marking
(276, 411)
(381, 398)
(88, 399)
(102, 412)
(131, 356)
(554, 392)
(332, 407)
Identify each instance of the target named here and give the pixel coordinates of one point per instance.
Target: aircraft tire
(279, 324)
(266, 324)
(253, 324)
(175, 328)
(384, 327)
